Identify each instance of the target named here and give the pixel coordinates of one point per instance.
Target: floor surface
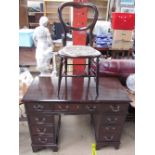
(76, 138)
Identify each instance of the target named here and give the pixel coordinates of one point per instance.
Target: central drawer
(77, 108)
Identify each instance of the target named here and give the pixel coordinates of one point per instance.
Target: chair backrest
(67, 27)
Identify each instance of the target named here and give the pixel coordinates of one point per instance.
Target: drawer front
(77, 108)
(41, 119)
(112, 119)
(38, 107)
(42, 140)
(115, 108)
(108, 137)
(42, 130)
(63, 108)
(110, 129)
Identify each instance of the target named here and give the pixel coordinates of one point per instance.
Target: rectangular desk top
(81, 90)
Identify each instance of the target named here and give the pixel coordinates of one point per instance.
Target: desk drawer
(42, 130)
(74, 108)
(77, 108)
(43, 140)
(38, 107)
(42, 119)
(109, 119)
(113, 119)
(110, 129)
(108, 137)
(115, 108)
(88, 108)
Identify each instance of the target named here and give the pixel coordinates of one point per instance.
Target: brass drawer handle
(110, 128)
(112, 120)
(41, 131)
(40, 120)
(42, 140)
(38, 107)
(108, 138)
(115, 108)
(77, 106)
(91, 108)
(66, 108)
(113, 128)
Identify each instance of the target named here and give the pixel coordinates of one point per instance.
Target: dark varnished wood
(44, 89)
(67, 27)
(89, 29)
(77, 96)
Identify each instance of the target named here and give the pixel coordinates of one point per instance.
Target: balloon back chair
(79, 51)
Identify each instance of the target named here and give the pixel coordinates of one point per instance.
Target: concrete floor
(76, 138)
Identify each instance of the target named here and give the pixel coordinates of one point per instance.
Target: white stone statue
(44, 46)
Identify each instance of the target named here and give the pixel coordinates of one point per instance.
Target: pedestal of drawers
(108, 126)
(43, 126)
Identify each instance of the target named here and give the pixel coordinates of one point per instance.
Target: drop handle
(38, 107)
(41, 131)
(115, 108)
(40, 120)
(112, 120)
(110, 128)
(42, 140)
(91, 108)
(108, 138)
(66, 108)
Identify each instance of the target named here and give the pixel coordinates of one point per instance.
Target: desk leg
(39, 148)
(35, 148)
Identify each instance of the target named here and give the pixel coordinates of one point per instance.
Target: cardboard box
(122, 45)
(124, 35)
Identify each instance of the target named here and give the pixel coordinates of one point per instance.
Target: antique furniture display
(77, 96)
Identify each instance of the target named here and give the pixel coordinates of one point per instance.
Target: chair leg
(60, 75)
(89, 66)
(65, 66)
(97, 75)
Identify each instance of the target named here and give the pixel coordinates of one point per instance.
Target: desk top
(81, 90)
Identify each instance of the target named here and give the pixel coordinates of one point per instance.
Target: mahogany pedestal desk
(77, 96)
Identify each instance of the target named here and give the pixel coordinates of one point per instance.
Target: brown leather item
(117, 67)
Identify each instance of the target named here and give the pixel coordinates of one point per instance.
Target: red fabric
(117, 67)
(79, 38)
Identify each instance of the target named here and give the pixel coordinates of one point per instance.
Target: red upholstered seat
(117, 67)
